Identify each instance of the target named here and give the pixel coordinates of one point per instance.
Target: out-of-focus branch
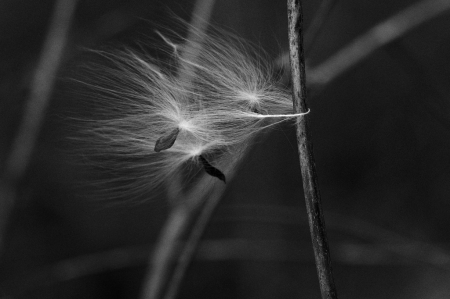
(317, 23)
(165, 252)
(41, 88)
(182, 215)
(382, 239)
(76, 267)
(232, 249)
(209, 203)
(189, 218)
(386, 248)
(378, 36)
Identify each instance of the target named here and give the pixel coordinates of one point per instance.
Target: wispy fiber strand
(310, 184)
(152, 122)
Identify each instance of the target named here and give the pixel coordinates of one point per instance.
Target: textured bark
(310, 186)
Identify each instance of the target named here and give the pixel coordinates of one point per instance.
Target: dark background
(381, 136)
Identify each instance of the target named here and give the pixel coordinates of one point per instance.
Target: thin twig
(378, 36)
(41, 89)
(310, 186)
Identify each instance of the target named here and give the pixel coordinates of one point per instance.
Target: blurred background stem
(380, 35)
(41, 89)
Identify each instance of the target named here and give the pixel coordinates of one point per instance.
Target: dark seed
(165, 142)
(211, 170)
(254, 110)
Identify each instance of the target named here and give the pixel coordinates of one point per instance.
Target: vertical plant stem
(310, 186)
(40, 92)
